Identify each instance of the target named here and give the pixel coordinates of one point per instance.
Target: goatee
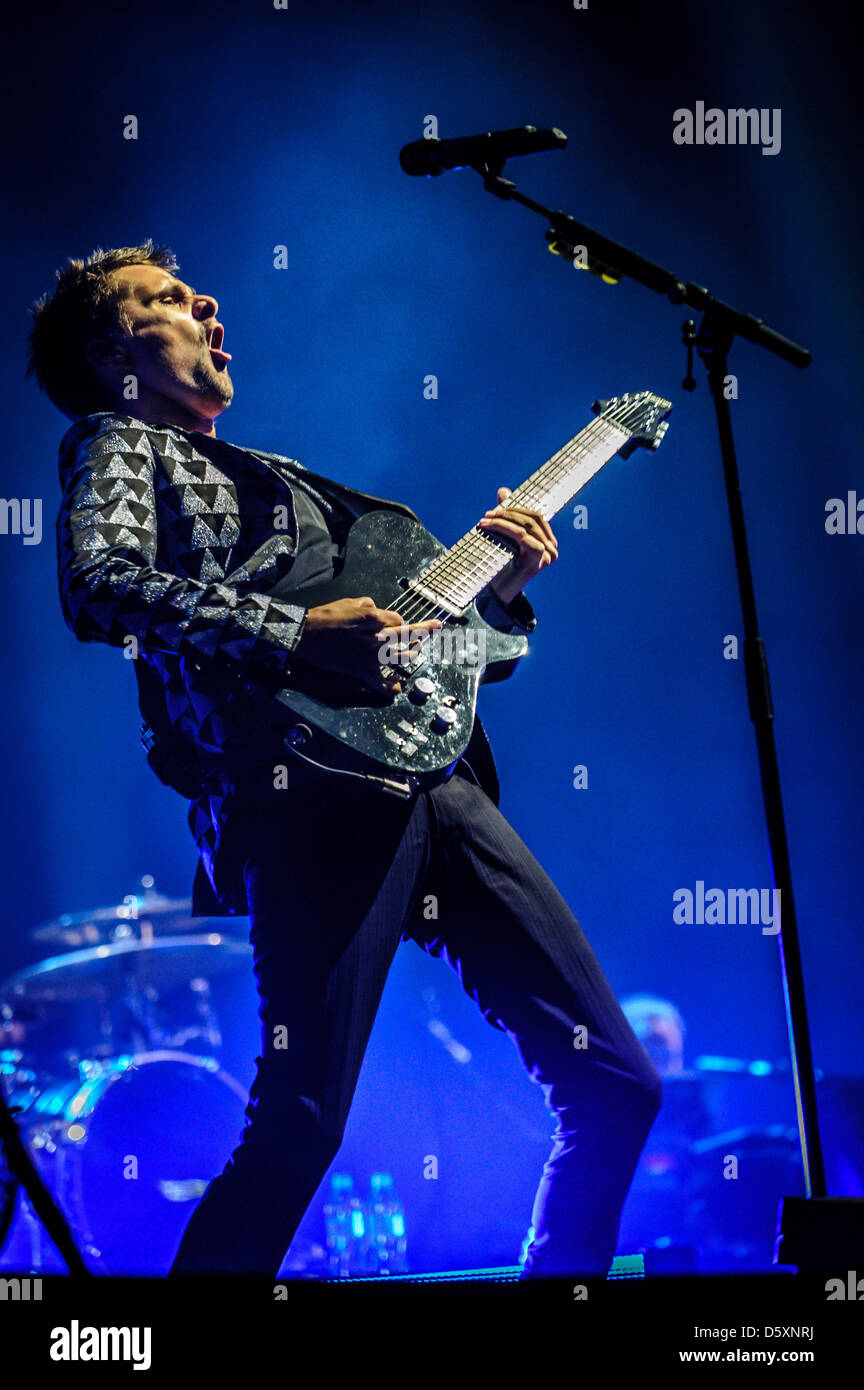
(213, 383)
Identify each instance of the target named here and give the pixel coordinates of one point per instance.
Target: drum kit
(110, 1065)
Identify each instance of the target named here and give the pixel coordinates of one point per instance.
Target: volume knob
(444, 719)
(421, 690)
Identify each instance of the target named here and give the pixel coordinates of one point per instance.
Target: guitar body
(419, 735)
(398, 734)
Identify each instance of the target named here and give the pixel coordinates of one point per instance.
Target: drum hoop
(166, 1054)
(72, 1160)
(102, 1084)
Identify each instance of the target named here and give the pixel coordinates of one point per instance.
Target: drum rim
(112, 1072)
(72, 1156)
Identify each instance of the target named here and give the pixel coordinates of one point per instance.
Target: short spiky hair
(84, 304)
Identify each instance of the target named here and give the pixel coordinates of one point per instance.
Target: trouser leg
(329, 891)
(522, 955)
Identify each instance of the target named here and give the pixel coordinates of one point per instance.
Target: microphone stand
(814, 1231)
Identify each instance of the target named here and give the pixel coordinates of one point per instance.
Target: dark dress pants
(336, 877)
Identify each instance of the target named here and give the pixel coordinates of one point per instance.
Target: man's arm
(110, 589)
(535, 543)
(503, 603)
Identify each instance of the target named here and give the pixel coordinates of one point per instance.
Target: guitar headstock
(641, 414)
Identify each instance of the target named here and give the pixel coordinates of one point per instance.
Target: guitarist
(168, 548)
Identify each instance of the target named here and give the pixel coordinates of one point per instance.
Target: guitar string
(454, 567)
(420, 607)
(466, 560)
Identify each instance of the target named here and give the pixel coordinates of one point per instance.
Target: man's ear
(107, 353)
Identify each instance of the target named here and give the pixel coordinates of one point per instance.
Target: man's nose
(205, 306)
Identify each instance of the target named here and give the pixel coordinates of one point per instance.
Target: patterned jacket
(167, 548)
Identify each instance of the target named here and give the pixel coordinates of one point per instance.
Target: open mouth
(215, 339)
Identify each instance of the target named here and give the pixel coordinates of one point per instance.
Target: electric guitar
(412, 738)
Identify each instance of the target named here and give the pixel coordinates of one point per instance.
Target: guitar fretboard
(458, 576)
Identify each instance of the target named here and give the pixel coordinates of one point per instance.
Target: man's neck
(161, 410)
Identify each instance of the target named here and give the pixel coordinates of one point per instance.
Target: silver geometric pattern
(168, 536)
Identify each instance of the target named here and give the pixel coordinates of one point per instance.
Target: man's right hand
(346, 636)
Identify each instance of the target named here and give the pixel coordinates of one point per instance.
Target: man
(660, 1028)
(168, 547)
(673, 1208)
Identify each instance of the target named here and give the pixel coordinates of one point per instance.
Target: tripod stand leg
(43, 1204)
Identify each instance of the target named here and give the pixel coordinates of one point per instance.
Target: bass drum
(129, 1151)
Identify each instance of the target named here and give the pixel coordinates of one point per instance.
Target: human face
(664, 1044)
(173, 350)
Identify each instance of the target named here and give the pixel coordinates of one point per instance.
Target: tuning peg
(658, 438)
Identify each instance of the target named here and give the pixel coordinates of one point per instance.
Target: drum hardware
(18, 1162)
(123, 1130)
(142, 915)
(103, 972)
(129, 1147)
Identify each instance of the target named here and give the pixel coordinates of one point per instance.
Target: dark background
(260, 127)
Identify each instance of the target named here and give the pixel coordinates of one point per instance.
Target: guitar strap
(355, 501)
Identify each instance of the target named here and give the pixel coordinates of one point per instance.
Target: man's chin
(215, 387)
(226, 390)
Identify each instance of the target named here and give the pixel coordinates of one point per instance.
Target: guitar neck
(462, 572)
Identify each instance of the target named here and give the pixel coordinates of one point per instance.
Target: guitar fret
(458, 576)
(414, 741)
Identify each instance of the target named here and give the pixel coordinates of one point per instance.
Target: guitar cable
(301, 732)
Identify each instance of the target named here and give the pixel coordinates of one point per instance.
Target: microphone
(432, 157)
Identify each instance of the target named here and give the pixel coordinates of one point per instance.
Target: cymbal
(101, 924)
(101, 972)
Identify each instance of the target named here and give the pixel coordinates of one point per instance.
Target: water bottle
(346, 1227)
(387, 1242)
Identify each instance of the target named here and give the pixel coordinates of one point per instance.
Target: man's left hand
(535, 538)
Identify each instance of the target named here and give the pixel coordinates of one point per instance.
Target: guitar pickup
(434, 598)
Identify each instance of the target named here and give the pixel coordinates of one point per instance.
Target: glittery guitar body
(419, 735)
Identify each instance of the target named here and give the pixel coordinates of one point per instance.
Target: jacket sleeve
(513, 617)
(110, 588)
